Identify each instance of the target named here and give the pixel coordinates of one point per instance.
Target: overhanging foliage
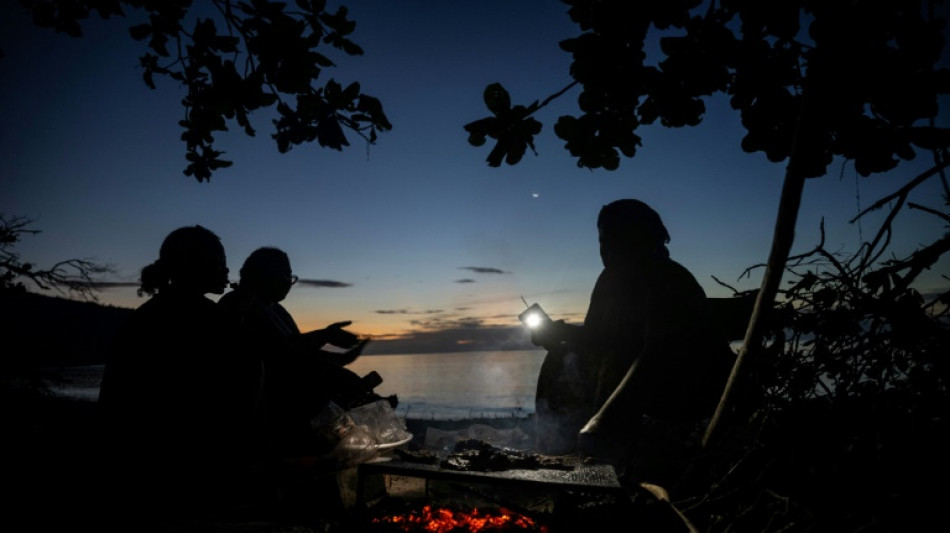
(234, 58)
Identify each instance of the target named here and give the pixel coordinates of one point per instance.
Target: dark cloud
(465, 280)
(485, 270)
(449, 321)
(457, 329)
(103, 285)
(319, 283)
(407, 312)
(323, 283)
(116, 284)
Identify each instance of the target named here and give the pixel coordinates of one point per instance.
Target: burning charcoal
(452, 519)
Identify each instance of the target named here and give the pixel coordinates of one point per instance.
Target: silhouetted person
(176, 399)
(634, 384)
(301, 377)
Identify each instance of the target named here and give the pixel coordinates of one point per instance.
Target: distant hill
(39, 330)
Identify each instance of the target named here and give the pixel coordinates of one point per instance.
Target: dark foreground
(811, 471)
(50, 473)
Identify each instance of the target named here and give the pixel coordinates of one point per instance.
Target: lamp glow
(533, 317)
(533, 320)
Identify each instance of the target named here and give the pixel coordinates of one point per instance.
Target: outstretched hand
(350, 355)
(549, 335)
(337, 336)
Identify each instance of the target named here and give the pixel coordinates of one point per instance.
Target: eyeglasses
(292, 279)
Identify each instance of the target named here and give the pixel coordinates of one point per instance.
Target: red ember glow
(443, 520)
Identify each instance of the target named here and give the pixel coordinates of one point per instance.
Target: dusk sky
(417, 235)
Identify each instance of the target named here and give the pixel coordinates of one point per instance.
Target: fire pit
(475, 486)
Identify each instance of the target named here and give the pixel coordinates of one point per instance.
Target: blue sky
(428, 242)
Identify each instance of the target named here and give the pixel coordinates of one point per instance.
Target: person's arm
(347, 357)
(578, 338)
(557, 332)
(599, 436)
(334, 334)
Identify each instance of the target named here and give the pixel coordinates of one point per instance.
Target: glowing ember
(443, 520)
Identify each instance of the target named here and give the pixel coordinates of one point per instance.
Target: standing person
(635, 381)
(301, 377)
(176, 400)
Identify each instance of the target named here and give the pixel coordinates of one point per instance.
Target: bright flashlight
(534, 317)
(532, 320)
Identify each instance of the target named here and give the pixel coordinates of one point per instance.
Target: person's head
(267, 274)
(191, 259)
(630, 230)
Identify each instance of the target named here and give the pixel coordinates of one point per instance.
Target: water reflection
(440, 386)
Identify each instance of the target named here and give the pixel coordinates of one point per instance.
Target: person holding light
(636, 381)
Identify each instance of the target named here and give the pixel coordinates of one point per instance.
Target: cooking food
(425, 457)
(480, 456)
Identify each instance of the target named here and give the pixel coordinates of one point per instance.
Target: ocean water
(436, 386)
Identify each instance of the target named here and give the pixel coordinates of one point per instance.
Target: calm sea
(438, 386)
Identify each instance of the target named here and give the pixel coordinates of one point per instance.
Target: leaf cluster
(857, 80)
(248, 56)
(511, 127)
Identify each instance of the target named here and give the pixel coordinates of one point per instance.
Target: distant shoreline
(83, 330)
(489, 384)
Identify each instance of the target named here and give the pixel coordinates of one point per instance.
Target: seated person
(635, 383)
(301, 377)
(177, 405)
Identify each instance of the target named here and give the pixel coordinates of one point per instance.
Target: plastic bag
(352, 443)
(381, 420)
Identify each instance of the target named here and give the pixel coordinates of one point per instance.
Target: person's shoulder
(153, 304)
(670, 267)
(152, 311)
(672, 273)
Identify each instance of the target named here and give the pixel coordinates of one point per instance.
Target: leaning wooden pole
(782, 239)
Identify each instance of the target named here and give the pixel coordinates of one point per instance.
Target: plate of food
(390, 445)
(352, 447)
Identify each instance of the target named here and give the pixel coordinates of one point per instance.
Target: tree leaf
(497, 99)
